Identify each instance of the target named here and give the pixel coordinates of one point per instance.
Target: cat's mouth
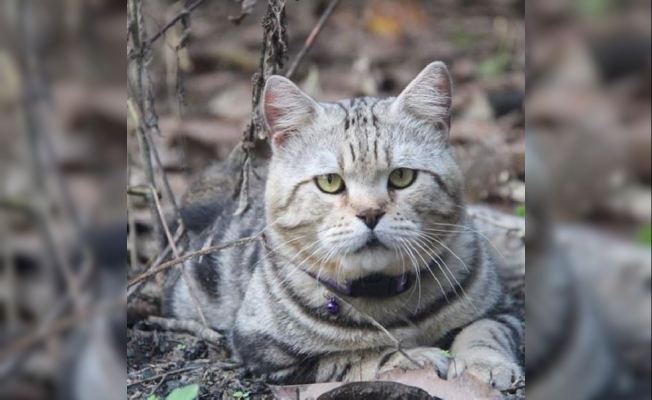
(373, 243)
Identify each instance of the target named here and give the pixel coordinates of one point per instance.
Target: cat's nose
(371, 217)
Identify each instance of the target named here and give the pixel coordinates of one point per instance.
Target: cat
(368, 260)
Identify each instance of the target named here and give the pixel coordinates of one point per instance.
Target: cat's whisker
(419, 242)
(450, 271)
(305, 248)
(441, 243)
(472, 230)
(417, 276)
(296, 268)
(324, 261)
(271, 224)
(339, 267)
(416, 267)
(264, 256)
(410, 244)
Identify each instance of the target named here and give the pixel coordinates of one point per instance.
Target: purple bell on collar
(332, 306)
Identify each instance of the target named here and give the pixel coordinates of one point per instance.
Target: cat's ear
(286, 108)
(429, 97)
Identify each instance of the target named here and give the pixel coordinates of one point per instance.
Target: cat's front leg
(283, 364)
(371, 364)
(488, 349)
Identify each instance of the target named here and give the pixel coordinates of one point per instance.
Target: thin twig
(138, 40)
(145, 115)
(165, 375)
(313, 36)
(191, 327)
(175, 251)
(184, 13)
(159, 259)
(165, 180)
(272, 57)
(167, 265)
(372, 320)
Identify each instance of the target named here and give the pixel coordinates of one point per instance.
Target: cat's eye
(330, 183)
(402, 177)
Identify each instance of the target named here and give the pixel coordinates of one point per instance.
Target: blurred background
(585, 111)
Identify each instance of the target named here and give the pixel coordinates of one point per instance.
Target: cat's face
(363, 186)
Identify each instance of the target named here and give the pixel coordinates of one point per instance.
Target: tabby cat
(364, 226)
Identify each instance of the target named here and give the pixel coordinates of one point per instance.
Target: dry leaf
(462, 388)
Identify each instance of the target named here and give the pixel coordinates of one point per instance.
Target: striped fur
(274, 310)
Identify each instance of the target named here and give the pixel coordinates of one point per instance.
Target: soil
(160, 362)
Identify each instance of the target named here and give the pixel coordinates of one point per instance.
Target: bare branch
(313, 36)
(167, 265)
(183, 14)
(175, 251)
(166, 182)
(159, 259)
(164, 376)
(272, 57)
(190, 327)
(138, 38)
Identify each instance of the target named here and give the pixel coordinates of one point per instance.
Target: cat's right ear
(286, 108)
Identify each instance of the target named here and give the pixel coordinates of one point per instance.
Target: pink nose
(371, 217)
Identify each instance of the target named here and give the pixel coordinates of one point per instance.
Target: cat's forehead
(362, 135)
(361, 113)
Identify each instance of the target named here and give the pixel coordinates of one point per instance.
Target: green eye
(402, 178)
(331, 183)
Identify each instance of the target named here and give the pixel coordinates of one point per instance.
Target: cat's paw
(494, 369)
(419, 358)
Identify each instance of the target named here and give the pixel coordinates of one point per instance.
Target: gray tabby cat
(364, 218)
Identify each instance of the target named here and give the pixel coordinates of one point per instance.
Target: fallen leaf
(462, 388)
(185, 393)
(465, 387)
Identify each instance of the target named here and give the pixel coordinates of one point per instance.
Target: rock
(376, 390)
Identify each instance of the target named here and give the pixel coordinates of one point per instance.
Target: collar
(373, 286)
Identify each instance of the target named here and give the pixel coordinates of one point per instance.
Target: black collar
(374, 286)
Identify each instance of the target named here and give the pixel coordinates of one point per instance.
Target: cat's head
(362, 186)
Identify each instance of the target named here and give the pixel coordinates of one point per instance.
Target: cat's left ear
(429, 97)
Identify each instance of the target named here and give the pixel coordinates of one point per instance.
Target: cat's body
(359, 195)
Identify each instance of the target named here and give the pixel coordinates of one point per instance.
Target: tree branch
(182, 14)
(167, 265)
(313, 36)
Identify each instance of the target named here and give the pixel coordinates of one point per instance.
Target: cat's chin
(371, 261)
